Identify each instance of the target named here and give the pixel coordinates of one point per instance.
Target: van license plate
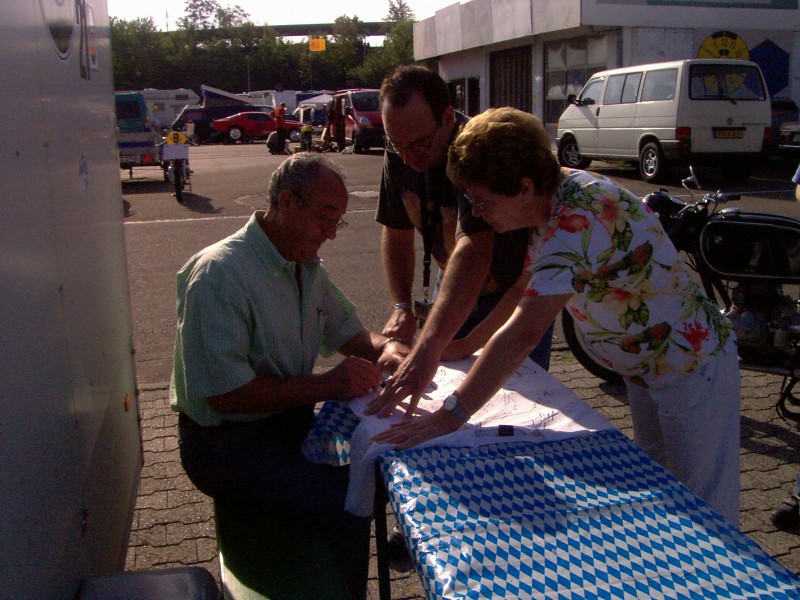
(729, 133)
(128, 158)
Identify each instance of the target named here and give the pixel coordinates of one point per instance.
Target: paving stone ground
(173, 523)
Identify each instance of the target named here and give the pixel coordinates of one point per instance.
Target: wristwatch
(451, 406)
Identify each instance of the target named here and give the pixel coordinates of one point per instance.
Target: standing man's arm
(467, 269)
(397, 254)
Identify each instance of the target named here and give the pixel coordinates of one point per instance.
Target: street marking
(158, 221)
(220, 218)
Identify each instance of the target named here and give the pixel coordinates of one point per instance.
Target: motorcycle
(743, 261)
(175, 157)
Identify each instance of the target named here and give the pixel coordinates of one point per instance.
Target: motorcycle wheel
(580, 349)
(178, 179)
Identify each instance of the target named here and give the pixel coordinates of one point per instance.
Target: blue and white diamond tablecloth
(590, 516)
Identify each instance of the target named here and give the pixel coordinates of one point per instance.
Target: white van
(700, 111)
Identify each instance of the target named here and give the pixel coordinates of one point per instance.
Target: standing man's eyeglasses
(422, 144)
(479, 204)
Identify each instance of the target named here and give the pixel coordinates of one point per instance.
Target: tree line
(219, 46)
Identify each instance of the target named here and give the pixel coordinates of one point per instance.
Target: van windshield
(367, 101)
(726, 82)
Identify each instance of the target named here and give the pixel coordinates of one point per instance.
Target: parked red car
(251, 125)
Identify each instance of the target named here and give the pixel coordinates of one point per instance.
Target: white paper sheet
(533, 402)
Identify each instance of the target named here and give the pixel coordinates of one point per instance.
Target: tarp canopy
(321, 99)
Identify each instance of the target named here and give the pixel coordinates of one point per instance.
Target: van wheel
(294, 135)
(570, 156)
(235, 134)
(357, 147)
(651, 163)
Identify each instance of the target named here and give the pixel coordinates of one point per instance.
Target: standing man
(279, 114)
(254, 311)
(481, 278)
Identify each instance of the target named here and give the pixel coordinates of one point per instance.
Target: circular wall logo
(60, 17)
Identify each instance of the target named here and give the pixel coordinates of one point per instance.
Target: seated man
(254, 311)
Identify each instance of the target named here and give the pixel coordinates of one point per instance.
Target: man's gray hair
(297, 173)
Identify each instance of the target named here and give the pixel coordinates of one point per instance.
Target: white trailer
(165, 105)
(70, 450)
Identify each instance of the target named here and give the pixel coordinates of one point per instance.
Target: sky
(165, 13)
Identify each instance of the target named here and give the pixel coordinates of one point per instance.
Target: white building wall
(794, 68)
(476, 23)
(723, 15)
(425, 39)
(551, 16)
(511, 19)
(644, 45)
(470, 63)
(633, 32)
(448, 29)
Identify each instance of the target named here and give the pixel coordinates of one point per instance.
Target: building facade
(531, 54)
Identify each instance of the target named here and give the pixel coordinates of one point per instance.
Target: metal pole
(247, 60)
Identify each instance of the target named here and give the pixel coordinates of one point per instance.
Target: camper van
(699, 111)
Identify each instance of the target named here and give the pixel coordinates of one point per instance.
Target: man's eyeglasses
(327, 222)
(479, 204)
(419, 145)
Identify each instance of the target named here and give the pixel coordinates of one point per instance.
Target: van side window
(631, 88)
(591, 92)
(614, 89)
(659, 85)
(622, 89)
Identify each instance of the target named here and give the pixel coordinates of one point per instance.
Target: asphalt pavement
(173, 523)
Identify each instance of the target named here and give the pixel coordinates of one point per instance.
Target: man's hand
(401, 324)
(392, 356)
(410, 379)
(353, 377)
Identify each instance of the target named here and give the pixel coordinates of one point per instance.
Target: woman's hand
(418, 429)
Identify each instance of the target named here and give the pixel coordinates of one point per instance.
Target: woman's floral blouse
(634, 299)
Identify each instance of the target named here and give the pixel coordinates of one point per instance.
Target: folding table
(555, 503)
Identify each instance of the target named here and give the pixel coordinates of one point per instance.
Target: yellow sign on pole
(316, 44)
(176, 137)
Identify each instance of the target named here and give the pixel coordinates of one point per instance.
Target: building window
(568, 64)
(457, 94)
(473, 96)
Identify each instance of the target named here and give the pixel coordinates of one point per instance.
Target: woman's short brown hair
(499, 147)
